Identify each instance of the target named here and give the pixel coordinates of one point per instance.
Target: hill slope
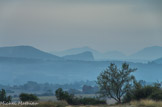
(149, 53)
(158, 61)
(26, 52)
(97, 55)
(85, 56)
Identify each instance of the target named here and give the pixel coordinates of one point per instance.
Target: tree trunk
(119, 100)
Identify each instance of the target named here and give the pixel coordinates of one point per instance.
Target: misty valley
(29, 70)
(24, 63)
(80, 53)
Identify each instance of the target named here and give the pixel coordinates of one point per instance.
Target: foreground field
(53, 98)
(142, 103)
(147, 103)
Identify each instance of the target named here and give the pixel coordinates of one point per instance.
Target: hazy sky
(105, 25)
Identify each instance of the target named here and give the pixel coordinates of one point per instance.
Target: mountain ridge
(144, 55)
(84, 56)
(148, 53)
(97, 55)
(158, 61)
(26, 52)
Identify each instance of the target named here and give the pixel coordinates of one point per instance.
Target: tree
(28, 97)
(64, 95)
(114, 82)
(60, 94)
(3, 97)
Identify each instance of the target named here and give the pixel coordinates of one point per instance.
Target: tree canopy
(114, 82)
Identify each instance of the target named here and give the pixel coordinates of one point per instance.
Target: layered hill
(158, 61)
(110, 55)
(26, 52)
(149, 53)
(85, 56)
(75, 51)
(24, 63)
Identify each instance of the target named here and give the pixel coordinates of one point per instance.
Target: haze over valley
(67, 53)
(26, 63)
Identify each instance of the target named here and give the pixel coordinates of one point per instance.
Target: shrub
(144, 92)
(72, 100)
(28, 97)
(64, 95)
(156, 95)
(3, 97)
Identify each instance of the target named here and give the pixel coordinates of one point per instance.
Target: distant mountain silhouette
(26, 52)
(74, 51)
(85, 56)
(96, 54)
(144, 55)
(149, 53)
(111, 55)
(24, 63)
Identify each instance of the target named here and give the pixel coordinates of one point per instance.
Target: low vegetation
(72, 100)
(52, 104)
(3, 97)
(41, 104)
(138, 92)
(141, 103)
(28, 97)
(146, 103)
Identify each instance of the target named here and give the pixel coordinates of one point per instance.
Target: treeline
(139, 91)
(46, 89)
(81, 87)
(22, 97)
(60, 95)
(34, 86)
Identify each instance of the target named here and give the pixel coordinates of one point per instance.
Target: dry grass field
(142, 103)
